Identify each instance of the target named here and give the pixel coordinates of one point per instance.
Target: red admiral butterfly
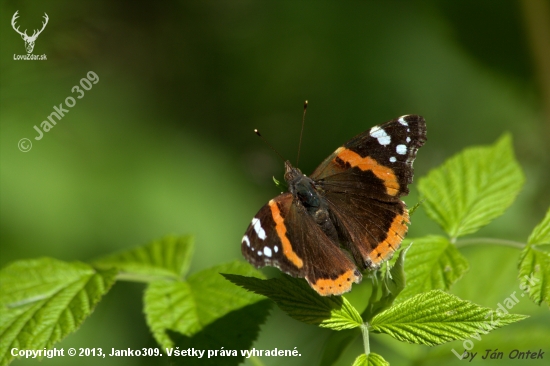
(351, 201)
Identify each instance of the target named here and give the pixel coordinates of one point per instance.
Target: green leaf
(437, 317)
(233, 334)
(169, 305)
(541, 233)
(336, 344)
(432, 263)
(297, 299)
(215, 296)
(168, 257)
(386, 287)
(280, 184)
(413, 209)
(534, 274)
(396, 279)
(372, 359)
(189, 306)
(534, 264)
(44, 300)
(472, 188)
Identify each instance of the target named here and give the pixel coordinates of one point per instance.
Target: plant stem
(489, 241)
(366, 344)
(138, 277)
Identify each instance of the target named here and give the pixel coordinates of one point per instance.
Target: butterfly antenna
(268, 144)
(301, 132)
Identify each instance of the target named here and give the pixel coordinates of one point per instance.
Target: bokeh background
(163, 143)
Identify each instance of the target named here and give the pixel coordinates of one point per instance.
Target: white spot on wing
(381, 135)
(276, 249)
(402, 121)
(393, 159)
(260, 253)
(245, 239)
(408, 139)
(258, 228)
(401, 149)
(267, 251)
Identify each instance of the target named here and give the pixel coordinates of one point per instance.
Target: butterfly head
(292, 174)
(302, 187)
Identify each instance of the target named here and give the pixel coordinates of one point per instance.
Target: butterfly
(347, 216)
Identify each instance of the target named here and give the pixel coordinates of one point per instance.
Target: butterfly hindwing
(370, 230)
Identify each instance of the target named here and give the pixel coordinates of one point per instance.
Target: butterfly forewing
(385, 152)
(284, 236)
(266, 239)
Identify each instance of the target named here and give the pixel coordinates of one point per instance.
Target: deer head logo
(29, 41)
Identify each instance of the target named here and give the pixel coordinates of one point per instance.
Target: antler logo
(29, 41)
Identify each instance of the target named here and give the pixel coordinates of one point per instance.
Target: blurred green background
(163, 143)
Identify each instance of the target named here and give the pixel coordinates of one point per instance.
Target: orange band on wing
(396, 233)
(367, 163)
(280, 227)
(338, 286)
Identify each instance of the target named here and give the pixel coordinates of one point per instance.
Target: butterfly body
(347, 216)
(307, 195)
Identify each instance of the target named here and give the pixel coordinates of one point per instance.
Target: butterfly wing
(363, 181)
(283, 235)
